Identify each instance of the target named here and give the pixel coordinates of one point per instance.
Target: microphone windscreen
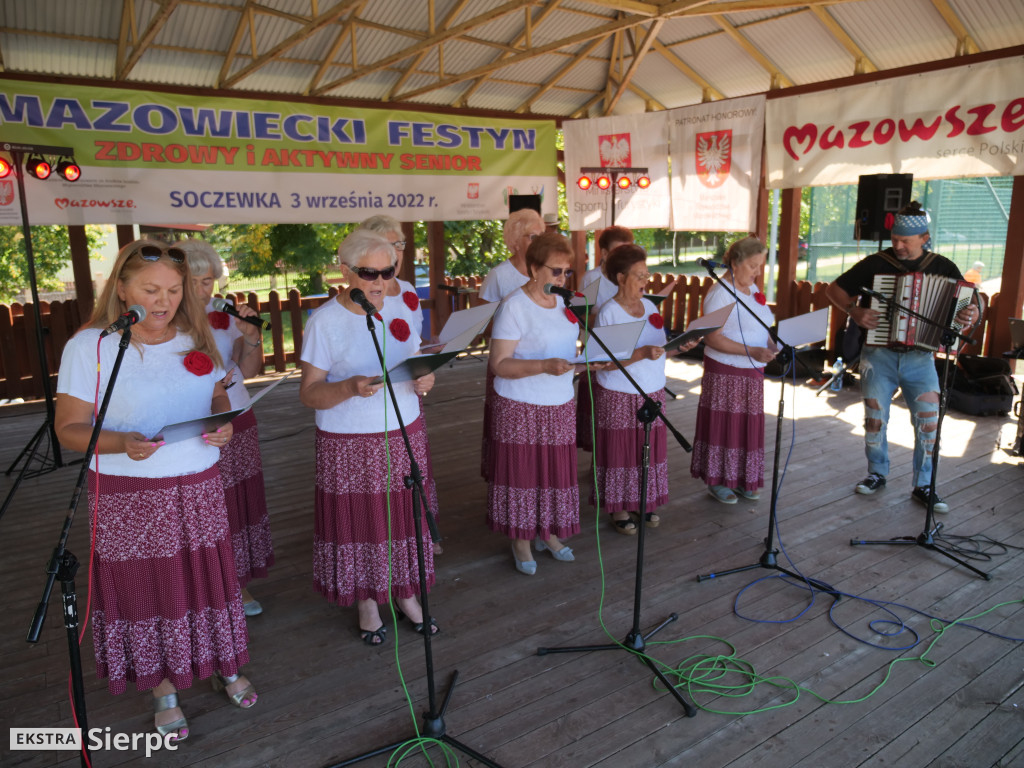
(139, 310)
(220, 304)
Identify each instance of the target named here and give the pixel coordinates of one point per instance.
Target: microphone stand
(433, 718)
(926, 538)
(63, 565)
(769, 558)
(636, 640)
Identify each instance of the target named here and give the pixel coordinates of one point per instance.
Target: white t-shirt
(153, 389)
(225, 341)
(607, 290)
(541, 333)
(649, 374)
(740, 326)
(417, 315)
(501, 281)
(337, 341)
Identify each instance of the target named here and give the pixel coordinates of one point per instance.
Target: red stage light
(38, 167)
(604, 182)
(584, 183)
(69, 170)
(643, 182)
(624, 182)
(5, 167)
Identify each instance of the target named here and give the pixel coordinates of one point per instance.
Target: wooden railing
(20, 375)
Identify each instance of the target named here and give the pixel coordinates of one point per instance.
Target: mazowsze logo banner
(966, 121)
(166, 158)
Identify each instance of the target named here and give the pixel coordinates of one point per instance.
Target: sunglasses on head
(151, 252)
(559, 271)
(369, 275)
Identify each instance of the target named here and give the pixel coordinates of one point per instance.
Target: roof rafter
(638, 56)
(155, 25)
(862, 63)
(347, 30)
(779, 79)
(964, 42)
(450, 17)
(710, 92)
(553, 80)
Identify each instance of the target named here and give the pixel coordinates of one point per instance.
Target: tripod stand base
(925, 539)
(433, 728)
(770, 560)
(637, 642)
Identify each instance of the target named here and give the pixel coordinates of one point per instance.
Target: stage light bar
(5, 167)
(38, 167)
(584, 183)
(68, 169)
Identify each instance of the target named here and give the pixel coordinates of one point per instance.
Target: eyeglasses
(559, 271)
(152, 252)
(369, 275)
(399, 245)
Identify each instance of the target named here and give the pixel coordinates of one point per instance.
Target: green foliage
(473, 247)
(51, 250)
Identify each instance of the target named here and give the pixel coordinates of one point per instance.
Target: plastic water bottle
(837, 371)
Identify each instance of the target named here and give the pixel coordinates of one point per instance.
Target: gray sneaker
(870, 484)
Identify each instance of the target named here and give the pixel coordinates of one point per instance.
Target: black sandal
(436, 630)
(374, 637)
(625, 527)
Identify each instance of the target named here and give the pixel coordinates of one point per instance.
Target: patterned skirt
(728, 447)
(352, 527)
(532, 489)
(241, 469)
(620, 442)
(165, 597)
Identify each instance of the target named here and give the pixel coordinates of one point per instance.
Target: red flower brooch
(656, 320)
(219, 321)
(760, 298)
(412, 301)
(198, 363)
(571, 315)
(399, 329)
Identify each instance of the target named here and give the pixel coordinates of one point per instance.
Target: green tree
(473, 247)
(51, 250)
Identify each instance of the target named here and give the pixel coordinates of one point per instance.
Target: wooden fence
(20, 375)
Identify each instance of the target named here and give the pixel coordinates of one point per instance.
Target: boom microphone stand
(769, 558)
(433, 718)
(636, 640)
(927, 537)
(63, 565)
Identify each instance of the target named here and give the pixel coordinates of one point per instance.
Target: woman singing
(728, 447)
(364, 513)
(532, 488)
(166, 601)
(241, 466)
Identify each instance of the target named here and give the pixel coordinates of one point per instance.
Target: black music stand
(769, 558)
(927, 537)
(636, 640)
(433, 719)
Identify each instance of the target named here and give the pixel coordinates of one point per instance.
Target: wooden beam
(308, 29)
(964, 42)
(82, 270)
(437, 254)
(155, 25)
(687, 70)
(631, 6)
(861, 61)
(448, 19)
(430, 42)
(244, 18)
(579, 58)
(645, 46)
(349, 29)
(777, 75)
(1011, 289)
(125, 33)
(789, 248)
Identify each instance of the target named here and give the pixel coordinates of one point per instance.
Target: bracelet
(257, 344)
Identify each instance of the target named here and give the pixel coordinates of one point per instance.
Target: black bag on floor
(980, 386)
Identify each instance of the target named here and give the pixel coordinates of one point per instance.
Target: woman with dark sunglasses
(241, 464)
(532, 493)
(364, 546)
(166, 604)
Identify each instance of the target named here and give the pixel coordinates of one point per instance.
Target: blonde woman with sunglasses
(363, 511)
(166, 604)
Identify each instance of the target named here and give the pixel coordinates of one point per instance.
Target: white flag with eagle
(716, 164)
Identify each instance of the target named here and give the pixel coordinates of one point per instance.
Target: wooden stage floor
(325, 696)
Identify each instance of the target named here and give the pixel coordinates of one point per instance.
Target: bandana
(910, 225)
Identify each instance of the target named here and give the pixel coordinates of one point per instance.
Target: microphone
(874, 294)
(710, 265)
(135, 314)
(223, 305)
(565, 293)
(357, 295)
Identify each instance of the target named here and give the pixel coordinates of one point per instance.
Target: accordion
(935, 297)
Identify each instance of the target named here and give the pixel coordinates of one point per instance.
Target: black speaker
(879, 197)
(516, 202)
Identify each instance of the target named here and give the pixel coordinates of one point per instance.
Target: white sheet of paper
(808, 328)
(620, 338)
(462, 327)
(590, 292)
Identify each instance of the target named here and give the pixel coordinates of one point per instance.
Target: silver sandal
(180, 726)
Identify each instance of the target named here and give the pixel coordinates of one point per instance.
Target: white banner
(626, 141)
(716, 164)
(965, 121)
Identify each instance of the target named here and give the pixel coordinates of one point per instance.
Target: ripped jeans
(882, 371)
